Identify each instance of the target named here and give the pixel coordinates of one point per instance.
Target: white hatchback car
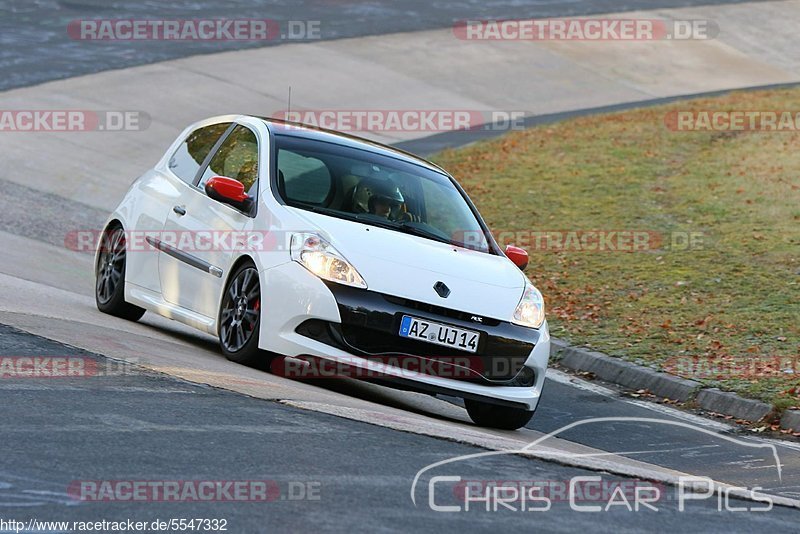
(317, 246)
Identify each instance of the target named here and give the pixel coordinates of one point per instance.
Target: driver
(385, 199)
(383, 203)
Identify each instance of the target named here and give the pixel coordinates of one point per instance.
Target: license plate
(439, 334)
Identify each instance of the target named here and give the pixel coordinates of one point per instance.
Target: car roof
(306, 131)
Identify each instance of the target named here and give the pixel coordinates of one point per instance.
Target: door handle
(180, 210)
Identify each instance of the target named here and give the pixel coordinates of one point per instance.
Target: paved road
(35, 46)
(150, 426)
(133, 425)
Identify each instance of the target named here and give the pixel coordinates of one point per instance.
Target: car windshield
(374, 189)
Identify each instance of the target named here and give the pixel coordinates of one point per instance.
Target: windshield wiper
(424, 233)
(408, 228)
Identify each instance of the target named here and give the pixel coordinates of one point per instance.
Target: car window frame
(213, 152)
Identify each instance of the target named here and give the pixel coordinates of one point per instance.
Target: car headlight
(318, 256)
(530, 310)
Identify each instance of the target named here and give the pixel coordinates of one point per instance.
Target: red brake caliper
(257, 307)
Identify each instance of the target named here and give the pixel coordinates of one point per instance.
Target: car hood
(408, 266)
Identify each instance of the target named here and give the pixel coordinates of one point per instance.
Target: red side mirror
(226, 189)
(517, 255)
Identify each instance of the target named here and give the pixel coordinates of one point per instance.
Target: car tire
(109, 287)
(240, 317)
(494, 416)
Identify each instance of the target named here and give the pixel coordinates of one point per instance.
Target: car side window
(236, 158)
(189, 156)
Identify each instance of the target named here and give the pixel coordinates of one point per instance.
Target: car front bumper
(302, 316)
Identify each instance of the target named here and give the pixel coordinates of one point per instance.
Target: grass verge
(712, 292)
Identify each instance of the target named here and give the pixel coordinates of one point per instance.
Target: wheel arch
(241, 260)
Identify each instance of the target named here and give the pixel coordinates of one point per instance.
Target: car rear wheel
(240, 317)
(110, 277)
(494, 416)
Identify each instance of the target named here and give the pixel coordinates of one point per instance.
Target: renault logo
(441, 289)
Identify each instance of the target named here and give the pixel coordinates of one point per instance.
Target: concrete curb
(633, 376)
(628, 374)
(791, 420)
(714, 400)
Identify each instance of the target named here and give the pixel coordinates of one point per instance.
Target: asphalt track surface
(328, 473)
(35, 46)
(140, 425)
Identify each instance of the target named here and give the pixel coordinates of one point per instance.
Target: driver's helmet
(374, 189)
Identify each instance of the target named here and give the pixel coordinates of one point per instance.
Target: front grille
(439, 310)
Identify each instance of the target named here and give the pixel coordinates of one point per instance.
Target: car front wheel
(240, 317)
(494, 416)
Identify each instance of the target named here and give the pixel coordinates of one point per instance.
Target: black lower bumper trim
(371, 323)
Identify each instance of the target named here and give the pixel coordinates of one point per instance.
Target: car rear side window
(236, 158)
(186, 160)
